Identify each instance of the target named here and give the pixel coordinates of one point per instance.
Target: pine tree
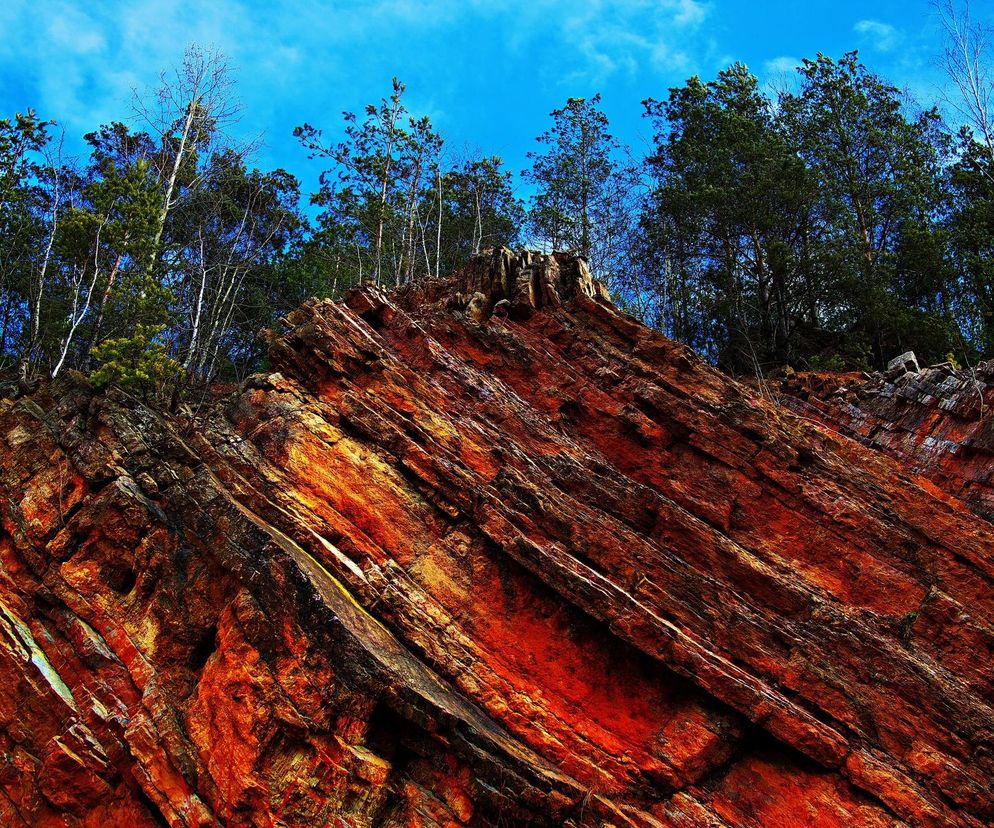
(880, 183)
(581, 184)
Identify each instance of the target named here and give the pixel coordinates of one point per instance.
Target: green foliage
(878, 171)
(372, 198)
(732, 219)
(138, 362)
(25, 218)
(832, 362)
(832, 227)
(479, 210)
(393, 209)
(800, 227)
(970, 228)
(582, 187)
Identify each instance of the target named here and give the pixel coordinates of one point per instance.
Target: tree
(189, 114)
(580, 183)
(879, 174)
(479, 210)
(970, 228)
(371, 196)
(730, 223)
(800, 229)
(159, 255)
(969, 64)
(237, 230)
(31, 200)
(104, 244)
(127, 245)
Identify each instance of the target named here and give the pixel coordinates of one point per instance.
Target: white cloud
(625, 35)
(691, 12)
(298, 62)
(73, 30)
(782, 65)
(882, 36)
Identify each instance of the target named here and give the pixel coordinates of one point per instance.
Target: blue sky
(487, 71)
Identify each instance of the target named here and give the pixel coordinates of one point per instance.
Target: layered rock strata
(483, 552)
(937, 421)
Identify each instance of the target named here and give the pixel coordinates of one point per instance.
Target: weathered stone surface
(938, 422)
(515, 560)
(501, 281)
(905, 363)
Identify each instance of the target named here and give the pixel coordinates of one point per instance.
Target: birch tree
(968, 58)
(241, 225)
(191, 114)
(28, 212)
(104, 246)
(52, 177)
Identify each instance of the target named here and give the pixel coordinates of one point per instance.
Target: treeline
(833, 224)
(822, 226)
(155, 262)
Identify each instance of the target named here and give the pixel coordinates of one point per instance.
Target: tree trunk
(181, 152)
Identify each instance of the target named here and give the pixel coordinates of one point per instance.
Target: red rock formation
(485, 552)
(936, 421)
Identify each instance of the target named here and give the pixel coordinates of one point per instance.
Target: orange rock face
(485, 552)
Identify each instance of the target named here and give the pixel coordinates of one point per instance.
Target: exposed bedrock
(484, 552)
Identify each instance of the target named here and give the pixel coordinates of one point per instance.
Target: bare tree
(191, 113)
(390, 126)
(969, 62)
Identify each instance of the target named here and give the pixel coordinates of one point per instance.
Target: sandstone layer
(484, 552)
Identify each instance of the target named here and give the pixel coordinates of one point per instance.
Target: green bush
(137, 362)
(833, 362)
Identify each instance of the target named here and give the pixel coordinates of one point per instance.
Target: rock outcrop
(483, 552)
(938, 421)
